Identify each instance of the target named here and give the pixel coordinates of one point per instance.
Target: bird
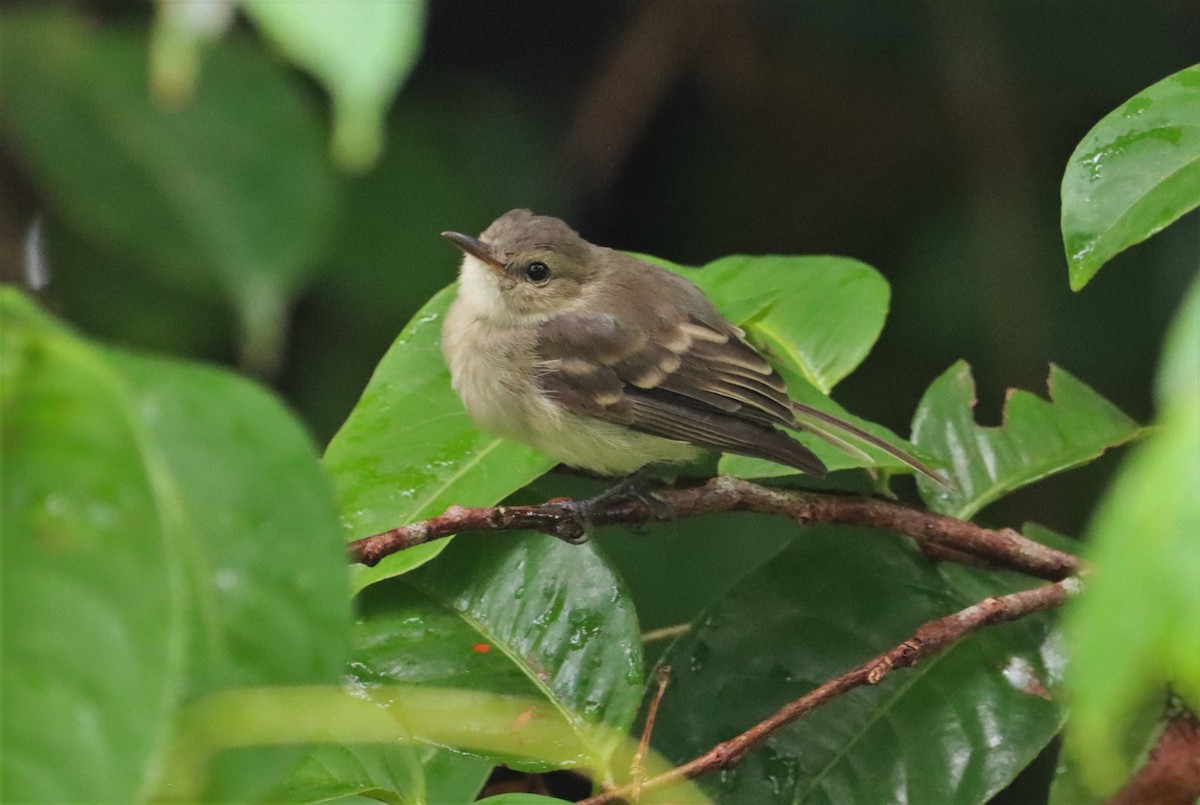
(610, 364)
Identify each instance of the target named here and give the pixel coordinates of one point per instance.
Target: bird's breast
(492, 371)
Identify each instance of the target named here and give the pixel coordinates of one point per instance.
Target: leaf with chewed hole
(1037, 438)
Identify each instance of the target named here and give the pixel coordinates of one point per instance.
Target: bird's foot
(577, 523)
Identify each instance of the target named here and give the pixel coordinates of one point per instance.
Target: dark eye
(537, 272)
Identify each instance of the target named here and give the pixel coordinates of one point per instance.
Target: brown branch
(637, 771)
(929, 639)
(945, 536)
(1171, 775)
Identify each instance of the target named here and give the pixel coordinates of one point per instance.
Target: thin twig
(637, 769)
(666, 632)
(998, 547)
(929, 639)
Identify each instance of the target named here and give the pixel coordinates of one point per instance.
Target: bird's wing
(679, 376)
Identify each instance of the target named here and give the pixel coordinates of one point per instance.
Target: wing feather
(684, 379)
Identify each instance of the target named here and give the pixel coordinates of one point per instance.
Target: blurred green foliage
(239, 182)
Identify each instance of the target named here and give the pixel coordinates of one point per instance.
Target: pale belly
(509, 403)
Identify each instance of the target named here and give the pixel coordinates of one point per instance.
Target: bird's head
(524, 266)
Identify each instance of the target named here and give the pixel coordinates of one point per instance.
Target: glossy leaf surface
(514, 616)
(167, 533)
(1135, 172)
(956, 728)
(409, 450)
(1037, 438)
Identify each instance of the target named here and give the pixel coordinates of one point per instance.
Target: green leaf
(361, 52)
(408, 449)
(1135, 172)
(704, 561)
(521, 799)
(1037, 438)
(167, 533)
(1176, 385)
(384, 772)
(453, 779)
(956, 728)
(1136, 629)
(527, 618)
(85, 555)
(167, 189)
(818, 316)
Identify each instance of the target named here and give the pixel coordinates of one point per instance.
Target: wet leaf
(516, 616)
(408, 449)
(956, 728)
(1037, 438)
(1135, 172)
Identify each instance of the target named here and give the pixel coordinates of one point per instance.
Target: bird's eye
(537, 272)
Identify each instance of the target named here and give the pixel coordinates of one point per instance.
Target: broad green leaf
(1037, 438)
(707, 556)
(87, 567)
(167, 190)
(956, 728)
(1136, 630)
(408, 449)
(361, 52)
(519, 616)
(521, 799)
(835, 459)
(453, 779)
(170, 524)
(1135, 172)
(246, 488)
(818, 316)
(384, 772)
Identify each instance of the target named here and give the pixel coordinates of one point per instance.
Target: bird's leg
(631, 487)
(634, 486)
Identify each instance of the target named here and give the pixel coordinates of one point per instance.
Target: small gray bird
(605, 362)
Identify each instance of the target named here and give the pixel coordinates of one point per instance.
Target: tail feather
(828, 426)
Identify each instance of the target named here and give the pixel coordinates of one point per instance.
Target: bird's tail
(832, 429)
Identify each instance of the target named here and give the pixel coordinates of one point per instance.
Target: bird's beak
(476, 248)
